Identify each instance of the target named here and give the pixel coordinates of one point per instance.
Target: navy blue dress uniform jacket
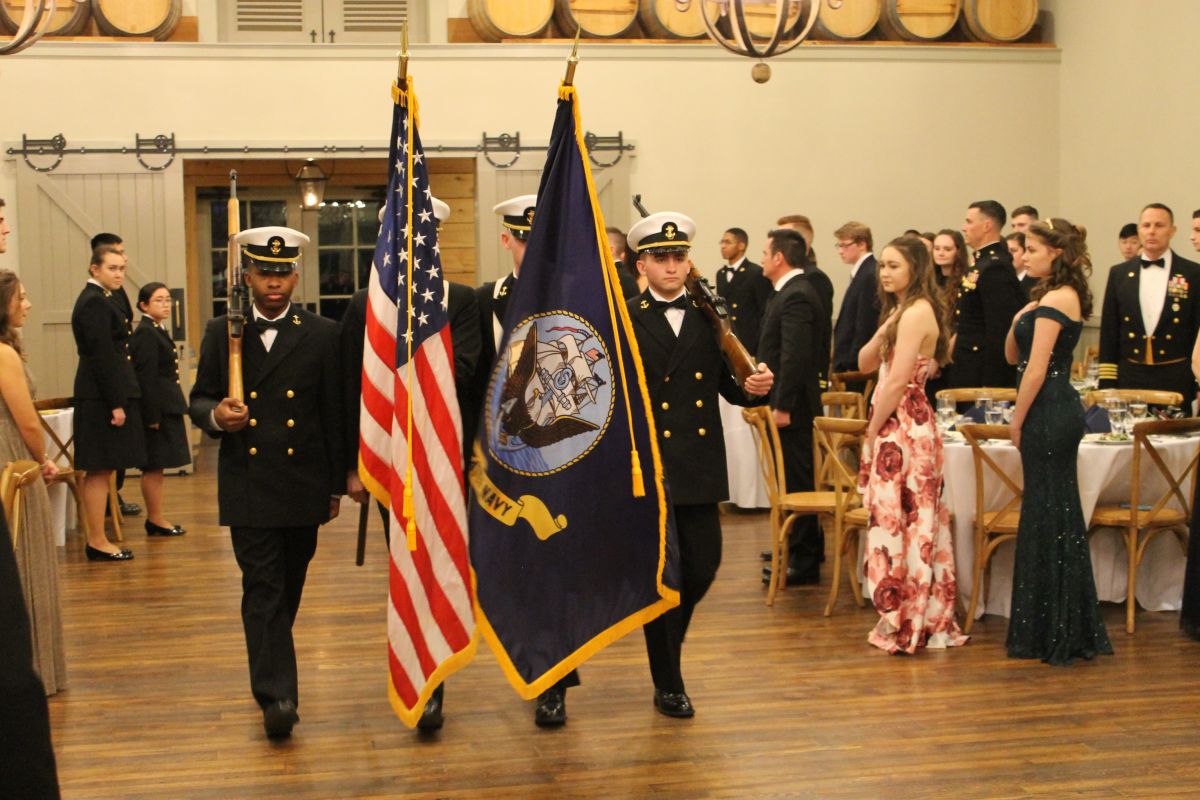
(820, 281)
(858, 319)
(1124, 339)
(156, 364)
(684, 375)
(464, 334)
(102, 333)
(795, 345)
(283, 467)
(989, 298)
(746, 293)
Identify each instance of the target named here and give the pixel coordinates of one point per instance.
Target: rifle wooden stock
(712, 306)
(236, 309)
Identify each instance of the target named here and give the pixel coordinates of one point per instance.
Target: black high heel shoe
(158, 530)
(100, 555)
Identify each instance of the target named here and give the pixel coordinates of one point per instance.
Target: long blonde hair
(922, 286)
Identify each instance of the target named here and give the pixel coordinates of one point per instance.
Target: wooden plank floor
(790, 704)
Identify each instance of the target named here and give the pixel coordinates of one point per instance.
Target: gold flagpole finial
(402, 66)
(572, 61)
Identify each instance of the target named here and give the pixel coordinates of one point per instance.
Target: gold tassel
(410, 527)
(639, 484)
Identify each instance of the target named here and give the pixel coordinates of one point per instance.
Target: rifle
(712, 306)
(236, 308)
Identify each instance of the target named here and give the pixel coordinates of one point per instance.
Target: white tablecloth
(746, 487)
(1104, 473)
(62, 504)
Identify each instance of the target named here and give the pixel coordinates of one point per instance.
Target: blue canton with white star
(427, 312)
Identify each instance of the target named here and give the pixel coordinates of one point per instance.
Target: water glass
(984, 402)
(1093, 374)
(1139, 411)
(1118, 420)
(945, 417)
(993, 416)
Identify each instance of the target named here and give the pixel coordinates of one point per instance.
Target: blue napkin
(974, 414)
(1096, 420)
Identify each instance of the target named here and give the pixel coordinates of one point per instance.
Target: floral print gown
(909, 554)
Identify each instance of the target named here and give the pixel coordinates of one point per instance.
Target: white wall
(1128, 116)
(892, 136)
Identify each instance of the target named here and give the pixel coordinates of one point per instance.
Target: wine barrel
(760, 17)
(494, 20)
(599, 19)
(919, 20)
(997, 20)
(854, 19)
(70, 18)
(153, 18)
(662, 19)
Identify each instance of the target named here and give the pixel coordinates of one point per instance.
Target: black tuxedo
(989, 298)
(858, 319)
(1130, 358)
(746, 291)
(627, 280)
(795, 346)
(820, 281)
(276, 476)
(156, 364)
(684, 376)
(464, 335)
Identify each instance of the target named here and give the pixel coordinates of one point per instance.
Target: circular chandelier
(34, 23)
(758, 29)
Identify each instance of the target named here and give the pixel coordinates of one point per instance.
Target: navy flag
(571, 540)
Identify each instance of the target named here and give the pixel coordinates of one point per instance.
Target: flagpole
(569, 80)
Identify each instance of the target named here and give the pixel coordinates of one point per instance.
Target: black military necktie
(1153, 262)
(679, 302)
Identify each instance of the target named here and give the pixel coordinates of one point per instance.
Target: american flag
(410, 436)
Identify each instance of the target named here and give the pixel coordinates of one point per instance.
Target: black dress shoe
(674, 704)
(158, 530)
(795, 577)
(431, 717)
(130, 509)
(100, 555)
(765, 555)
(551, 710)
(279, 718)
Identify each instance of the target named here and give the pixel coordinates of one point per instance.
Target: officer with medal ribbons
(685, 374)
(988, 300)
(280, 472)
(1149, 321)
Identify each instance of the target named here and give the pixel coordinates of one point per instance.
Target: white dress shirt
(733, 267)
(787, 276)
(674, 315)
(268, 336)
(859, 263)
(1152, 291)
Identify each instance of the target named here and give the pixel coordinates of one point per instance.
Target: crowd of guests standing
(971, 308)
(128, 413)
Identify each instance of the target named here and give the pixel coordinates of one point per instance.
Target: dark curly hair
(1072, 267)
(10, 288)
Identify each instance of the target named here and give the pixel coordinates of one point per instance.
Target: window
(253, 214)
(346, 233)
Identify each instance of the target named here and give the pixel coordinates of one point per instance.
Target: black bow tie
(1154, 262)
(265, 325)
(679, 302)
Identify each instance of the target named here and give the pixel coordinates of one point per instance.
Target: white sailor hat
(516, 214)
(441, 211)
(273, 248)
(662, 232)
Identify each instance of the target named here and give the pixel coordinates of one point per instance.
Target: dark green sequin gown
(1055, 615)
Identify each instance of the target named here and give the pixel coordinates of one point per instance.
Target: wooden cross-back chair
(848, 405)
(970, 395)
(838, 381)
(17, 475)
(786, 507)
(1153, 397)
(838, 443)
(61, 454)
(1145, 517)
(992, 528)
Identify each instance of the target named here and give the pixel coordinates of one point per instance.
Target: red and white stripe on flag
(430, 618)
